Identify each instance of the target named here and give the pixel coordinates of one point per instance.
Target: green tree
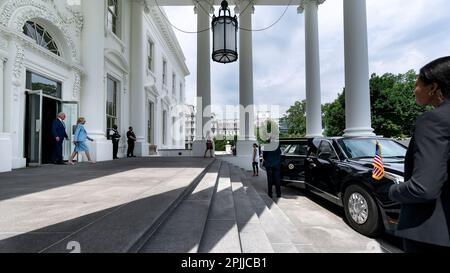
(393, 106)
(267, 127)
(334, 116)
(296, 119)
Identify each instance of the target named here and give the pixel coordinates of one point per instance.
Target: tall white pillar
(247, 111)
(138, 99)
(93, 100)
(5, 139)
(312, 61)
(2, 61)
(203, 116)
(357, 92)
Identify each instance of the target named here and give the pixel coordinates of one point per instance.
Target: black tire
(373, 225)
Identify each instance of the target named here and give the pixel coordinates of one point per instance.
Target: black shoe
(278, 196)
(270, 195)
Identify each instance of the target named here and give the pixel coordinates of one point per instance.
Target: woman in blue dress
(79, 140)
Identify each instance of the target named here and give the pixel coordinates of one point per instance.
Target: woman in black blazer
(425, 195)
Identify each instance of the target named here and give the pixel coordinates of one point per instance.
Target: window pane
(41, 36)
(48, 86)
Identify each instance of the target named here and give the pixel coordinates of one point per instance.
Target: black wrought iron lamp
(225, 29)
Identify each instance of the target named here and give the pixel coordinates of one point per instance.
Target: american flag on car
(378, 167)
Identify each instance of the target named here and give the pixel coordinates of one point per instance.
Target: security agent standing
(424, 222)
(131, 141)
(115, 137)
(272, 162)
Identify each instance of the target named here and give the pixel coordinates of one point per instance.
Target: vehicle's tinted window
(325, 147)
(284, 147)
(360, 148)
(297, 149)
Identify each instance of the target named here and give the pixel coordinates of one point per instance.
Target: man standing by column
(115, 137)
(59, 134)
(131, 141)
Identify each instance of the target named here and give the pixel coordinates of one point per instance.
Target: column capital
(205, 5)
(304, 3)
(242, 5)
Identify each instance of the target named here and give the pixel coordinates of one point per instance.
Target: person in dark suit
(272, 163)
(59, 134)
(115, 137)
(131, 141)
(424, 221)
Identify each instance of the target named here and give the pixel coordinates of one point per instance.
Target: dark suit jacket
(58, 129)
(425, 195)
(272, 159)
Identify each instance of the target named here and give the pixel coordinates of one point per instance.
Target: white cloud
(402, 35)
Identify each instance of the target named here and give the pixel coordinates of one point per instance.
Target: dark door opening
(50, 109)
(39, 141)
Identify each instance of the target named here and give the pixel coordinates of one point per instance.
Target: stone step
(126, 227)
(282, 233)
(278, 236)
(221, 233)
(183, 229)
(251, 231)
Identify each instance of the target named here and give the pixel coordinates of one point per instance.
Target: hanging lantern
(224, 29)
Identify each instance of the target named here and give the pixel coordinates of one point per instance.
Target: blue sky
(403, 35)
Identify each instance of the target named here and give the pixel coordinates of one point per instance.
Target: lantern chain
(241, 28)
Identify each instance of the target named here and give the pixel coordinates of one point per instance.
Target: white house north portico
(119, 62)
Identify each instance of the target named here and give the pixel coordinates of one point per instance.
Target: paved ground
(323, 223)
(42, 207)
(107, 206)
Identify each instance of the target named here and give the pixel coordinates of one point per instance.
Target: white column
(5, 139)
(2, 60)
(158, 123)
(247, 110)
(357, 92)
(203, 115)
(138, 98)
(312, 61)
(93, 100)
(246, 136)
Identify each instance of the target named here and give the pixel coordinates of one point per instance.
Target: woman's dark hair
(115, 127)
(438, 71)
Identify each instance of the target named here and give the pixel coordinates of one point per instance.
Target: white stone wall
(84, 81)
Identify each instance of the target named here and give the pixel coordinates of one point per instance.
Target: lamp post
(224, 28)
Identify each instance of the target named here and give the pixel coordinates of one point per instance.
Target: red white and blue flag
(378, 167)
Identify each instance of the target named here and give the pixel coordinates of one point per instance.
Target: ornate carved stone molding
(303, 4)
(18, 64)
(243, 5)
(16, 12)
(76, 84)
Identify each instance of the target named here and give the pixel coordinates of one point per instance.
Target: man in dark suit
(59, 134)
(131, 139)
(424, 221)
(272, 163)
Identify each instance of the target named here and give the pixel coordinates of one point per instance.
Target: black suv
(340, 170)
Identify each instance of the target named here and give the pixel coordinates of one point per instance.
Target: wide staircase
(223, 213)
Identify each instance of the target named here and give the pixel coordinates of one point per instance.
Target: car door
(322, 170)
(294, 163)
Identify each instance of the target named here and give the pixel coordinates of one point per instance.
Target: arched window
(41, 36)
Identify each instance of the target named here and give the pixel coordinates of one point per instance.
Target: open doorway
(39, 116)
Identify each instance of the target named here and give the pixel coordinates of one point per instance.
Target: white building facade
(110, 61)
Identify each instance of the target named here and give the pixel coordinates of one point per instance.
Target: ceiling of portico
(217, 2)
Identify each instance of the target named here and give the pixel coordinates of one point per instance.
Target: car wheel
(361, 211)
